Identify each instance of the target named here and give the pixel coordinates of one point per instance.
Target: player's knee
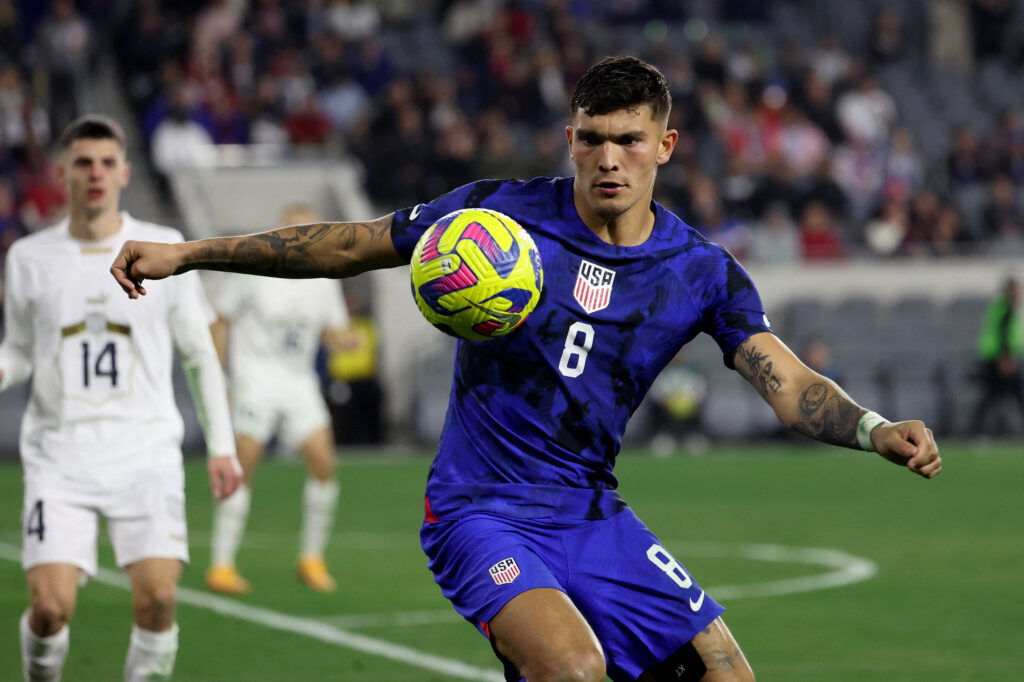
(584, 664)
(154, 605)
(48, 614)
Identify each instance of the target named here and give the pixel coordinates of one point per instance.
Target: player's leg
(651, 615)
(44, 628)
(307, 426)
(59, 532)
(231, 515)
(319, 504)
(720, 655)
(154, 639)
(541, 635)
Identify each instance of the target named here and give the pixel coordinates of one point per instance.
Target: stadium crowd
(809, 130)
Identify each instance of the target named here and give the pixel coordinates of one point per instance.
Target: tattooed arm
(815, 406)
(315, 250)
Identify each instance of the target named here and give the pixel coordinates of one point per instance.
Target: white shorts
(60, 524)
(294, 412)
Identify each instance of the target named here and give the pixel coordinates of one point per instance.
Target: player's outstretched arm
(815, 406)
(315, 250)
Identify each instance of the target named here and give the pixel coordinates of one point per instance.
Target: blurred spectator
(65, 42)
(817, 355)
(344, 101)
(816, 99)
(1001, 137)
(887, 41)
(802, 145)
(23, 121)
(677, 403)
(949, 36)
(949, 237)
(859, 169)
(711, 220)
(866, 113)
(821, 187)
(308, 124)
(819, 236)
(991, 21)
(215, 25)
(775, 237)
(354, 393)
(1000, 350)
(10, 222)
(830, 62)
(179, 142)
(963, 165)
(373, 67)
(43, 197)
(1003, 217)
(227, 123)
(885, 233)
(352, 20)
(923, 219)
(904, 168)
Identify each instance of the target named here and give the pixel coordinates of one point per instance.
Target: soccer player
(268, 332)
(101, 436)
(525, 531)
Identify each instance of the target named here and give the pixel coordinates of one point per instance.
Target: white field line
(277, 540)
(845, 569)
(303, 626)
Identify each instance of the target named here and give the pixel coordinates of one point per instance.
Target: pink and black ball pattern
(469, 284)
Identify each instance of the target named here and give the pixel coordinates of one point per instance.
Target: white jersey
(275, 325)
(102, 402)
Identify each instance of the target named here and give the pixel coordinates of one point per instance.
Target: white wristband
(868, 422)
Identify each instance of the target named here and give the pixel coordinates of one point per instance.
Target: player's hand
(225, 476)
(144, 260)
(910, 444)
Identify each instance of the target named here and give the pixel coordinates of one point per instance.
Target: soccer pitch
(833, 566)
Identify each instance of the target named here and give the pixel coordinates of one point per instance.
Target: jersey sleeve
(731, 308)
(335, 312)
(16, 347)
(190, 319)
(409, 224)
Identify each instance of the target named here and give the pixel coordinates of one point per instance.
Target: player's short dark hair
(616, 83)
(93, 127)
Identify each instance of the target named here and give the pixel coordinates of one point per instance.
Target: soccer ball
(476, 274)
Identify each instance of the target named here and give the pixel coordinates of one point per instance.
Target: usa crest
(593, 290)
(504, 572)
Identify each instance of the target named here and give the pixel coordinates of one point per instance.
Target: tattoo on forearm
(315, 250)
(826, 414)
(721, 660)
(759, 370)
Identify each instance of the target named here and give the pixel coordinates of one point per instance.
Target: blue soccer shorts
(642, 604)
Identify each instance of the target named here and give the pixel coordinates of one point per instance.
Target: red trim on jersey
(428, 515)
(486, 628)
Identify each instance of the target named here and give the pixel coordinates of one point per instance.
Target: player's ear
(126, 174)
(667, 144)
(61, 167)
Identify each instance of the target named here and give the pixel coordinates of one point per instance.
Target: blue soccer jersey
(535, 418)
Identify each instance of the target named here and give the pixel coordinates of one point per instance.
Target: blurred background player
(1000, 348)
(268, 333)
(101, 435)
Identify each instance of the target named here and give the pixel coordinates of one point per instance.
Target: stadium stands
(365, 107)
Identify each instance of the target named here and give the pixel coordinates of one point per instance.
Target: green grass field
(946, 603)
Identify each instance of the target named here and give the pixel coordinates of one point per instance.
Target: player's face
(616, 157)
(95, 172)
